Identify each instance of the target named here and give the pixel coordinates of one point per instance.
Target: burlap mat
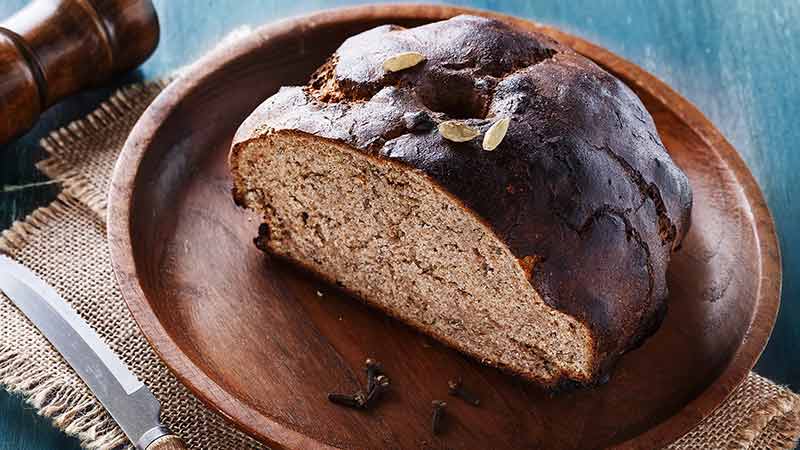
(65, 243)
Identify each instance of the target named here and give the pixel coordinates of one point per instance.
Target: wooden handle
(54, 48)
(167, 443)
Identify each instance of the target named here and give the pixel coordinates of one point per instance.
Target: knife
(130, 403)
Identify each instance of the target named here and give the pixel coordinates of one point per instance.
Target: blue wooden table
(737, 60)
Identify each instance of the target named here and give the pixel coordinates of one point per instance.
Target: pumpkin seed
(495, 134)
(456, 131)
(402, 61)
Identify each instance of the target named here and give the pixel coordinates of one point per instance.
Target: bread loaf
(488, 186)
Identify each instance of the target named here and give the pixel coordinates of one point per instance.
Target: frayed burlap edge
(21, 231)
(85, 420)
(75, 183)
(48, 394)
(783, 411)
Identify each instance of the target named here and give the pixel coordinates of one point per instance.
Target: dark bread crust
(581, 189)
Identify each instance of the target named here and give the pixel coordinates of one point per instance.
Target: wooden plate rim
(277, 434)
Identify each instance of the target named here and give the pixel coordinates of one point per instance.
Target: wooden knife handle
(54, 48)
(169, 442)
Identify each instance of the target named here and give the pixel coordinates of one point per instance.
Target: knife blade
(129, 402)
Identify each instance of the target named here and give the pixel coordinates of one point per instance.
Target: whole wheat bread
(545, 256)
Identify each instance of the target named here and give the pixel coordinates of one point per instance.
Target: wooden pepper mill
(54, 48)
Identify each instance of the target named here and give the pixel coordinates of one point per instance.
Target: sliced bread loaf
(489, 187)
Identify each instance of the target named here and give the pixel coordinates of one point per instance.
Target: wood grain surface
(736, 60)
(253, 339)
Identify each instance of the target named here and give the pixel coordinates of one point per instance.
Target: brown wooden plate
(253, 339)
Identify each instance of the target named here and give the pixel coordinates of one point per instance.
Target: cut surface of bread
(402, 244)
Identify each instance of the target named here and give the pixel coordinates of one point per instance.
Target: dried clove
(361, 399)
(438, 413)
(377, 384)
(357, 400)
(374, 368)
(456, 389)
(380, 386)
